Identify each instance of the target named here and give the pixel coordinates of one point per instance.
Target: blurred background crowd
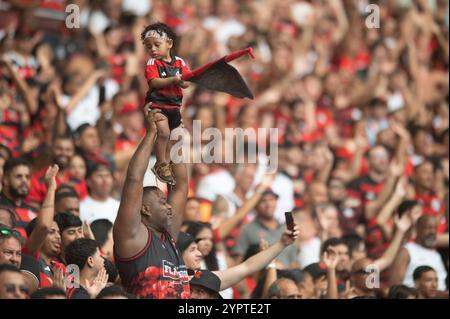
(362, 114)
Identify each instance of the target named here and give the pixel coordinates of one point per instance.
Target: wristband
(271, 266)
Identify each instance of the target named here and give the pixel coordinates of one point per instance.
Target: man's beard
(62, 162)
(429, 241)
(15, 193)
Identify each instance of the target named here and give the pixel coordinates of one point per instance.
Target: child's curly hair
(160, 28)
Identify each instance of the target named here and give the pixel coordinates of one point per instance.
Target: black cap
(316, 270)
(270, 192)
(377, 101)
(183, 241)
(97, 166)
(207, 280)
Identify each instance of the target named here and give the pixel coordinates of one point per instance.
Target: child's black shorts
(173, 115)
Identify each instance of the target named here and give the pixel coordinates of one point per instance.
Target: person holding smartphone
(266, 226)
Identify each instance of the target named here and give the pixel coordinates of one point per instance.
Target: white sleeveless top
(422, 256)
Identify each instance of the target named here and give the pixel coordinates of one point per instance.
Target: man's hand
(177, 80)
(331, 259)
(97, 285)
(289, 237)
(151, 117)
(400, 189)
(266, 182)
(50, 176)
(403, 224)
(59, 279)
(400, 130)
(87, 231)
(396, 169)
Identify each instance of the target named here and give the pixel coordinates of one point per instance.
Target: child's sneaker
(163, 172)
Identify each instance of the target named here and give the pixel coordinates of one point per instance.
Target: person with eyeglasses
(12, 283)
(10, 246)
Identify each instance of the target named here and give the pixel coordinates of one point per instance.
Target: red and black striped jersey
(365, 189)
(38, 190)
(433, 206)
(171, 96)
(157, 272)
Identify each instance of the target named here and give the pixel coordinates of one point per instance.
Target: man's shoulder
(253, 226)
(217, 174)
(88, 201)
(77, 293)
(9, 203)
(113, 202)
(5, 201)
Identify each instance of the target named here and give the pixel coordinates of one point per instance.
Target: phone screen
(289, 221)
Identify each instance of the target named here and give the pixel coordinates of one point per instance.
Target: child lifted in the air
(163, 73)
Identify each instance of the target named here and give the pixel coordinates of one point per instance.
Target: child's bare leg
(169, 148)
(162, 167)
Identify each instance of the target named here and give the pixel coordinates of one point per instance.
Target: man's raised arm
(230, 277)
(178, 195)
(129, 234)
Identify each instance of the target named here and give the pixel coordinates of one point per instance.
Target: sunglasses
(362, 272)
(9, 232)
(11, 288)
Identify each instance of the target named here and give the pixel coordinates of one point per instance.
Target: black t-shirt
(77, 293)
(157, 272)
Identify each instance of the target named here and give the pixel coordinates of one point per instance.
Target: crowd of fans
(362, 115)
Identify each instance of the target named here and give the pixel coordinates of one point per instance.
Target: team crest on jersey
(174, 273)
(349, 212)
(32, 215)
(436, 204)
(370, 196)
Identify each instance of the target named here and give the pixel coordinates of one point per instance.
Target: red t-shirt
(45, 271)
(433, 206)
(9, 130)
(38, 190)
(169, 97)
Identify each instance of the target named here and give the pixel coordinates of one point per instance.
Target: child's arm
(160, 83)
